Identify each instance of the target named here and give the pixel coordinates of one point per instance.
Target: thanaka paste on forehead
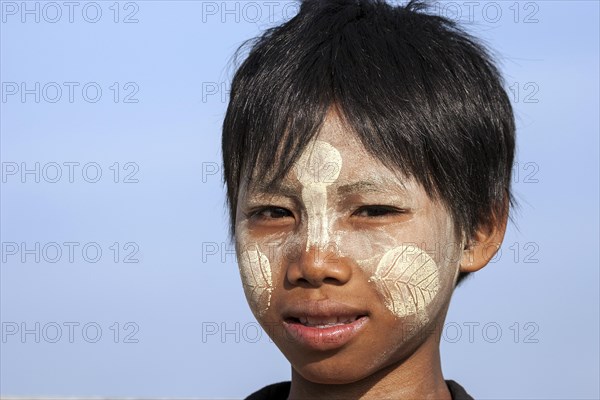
(318, 167)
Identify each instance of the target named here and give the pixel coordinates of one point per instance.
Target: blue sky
(135, 290)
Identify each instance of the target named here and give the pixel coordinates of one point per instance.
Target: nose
(318, 266)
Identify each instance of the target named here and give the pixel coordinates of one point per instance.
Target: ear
(484, 244)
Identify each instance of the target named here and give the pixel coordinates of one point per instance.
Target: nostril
(305, 282)
(306, 273)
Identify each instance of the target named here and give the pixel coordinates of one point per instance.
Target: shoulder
(457, 391)
(276, 391)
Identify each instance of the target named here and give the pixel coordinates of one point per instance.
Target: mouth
(323, 325)
(323, 322)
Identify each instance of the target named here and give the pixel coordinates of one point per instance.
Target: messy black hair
(421, 94)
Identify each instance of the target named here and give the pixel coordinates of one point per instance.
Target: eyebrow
(369, 187)
(263, 188)
(287, 190)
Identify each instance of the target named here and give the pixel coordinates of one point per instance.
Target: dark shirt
(281, 390)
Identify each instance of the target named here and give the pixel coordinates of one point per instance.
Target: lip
(323, 337)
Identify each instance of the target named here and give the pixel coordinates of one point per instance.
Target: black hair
(421, 94)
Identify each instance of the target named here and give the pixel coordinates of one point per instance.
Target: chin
(332, 374)
(336, 369)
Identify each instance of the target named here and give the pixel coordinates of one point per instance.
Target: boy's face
(347, 265)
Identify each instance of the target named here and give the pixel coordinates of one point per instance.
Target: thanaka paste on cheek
(408, 278)
(317, 168)
(255, 270)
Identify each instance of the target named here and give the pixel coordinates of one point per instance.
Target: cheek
(261, 264)
(257, 279)
(409, 280)
(413, 268)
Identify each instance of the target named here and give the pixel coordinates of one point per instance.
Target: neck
(417, 377)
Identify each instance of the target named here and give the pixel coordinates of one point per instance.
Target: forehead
(357, 168)
(334, 132)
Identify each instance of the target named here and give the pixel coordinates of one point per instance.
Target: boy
(367, 156)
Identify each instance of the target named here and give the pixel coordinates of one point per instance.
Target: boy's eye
(268, 213)
(377, 211)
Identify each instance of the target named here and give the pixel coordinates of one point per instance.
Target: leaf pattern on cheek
(408, 278)
(256, 277)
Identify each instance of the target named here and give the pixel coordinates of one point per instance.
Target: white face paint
(405, 275)
(317, 168)
(255, 270)
(408, 278)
